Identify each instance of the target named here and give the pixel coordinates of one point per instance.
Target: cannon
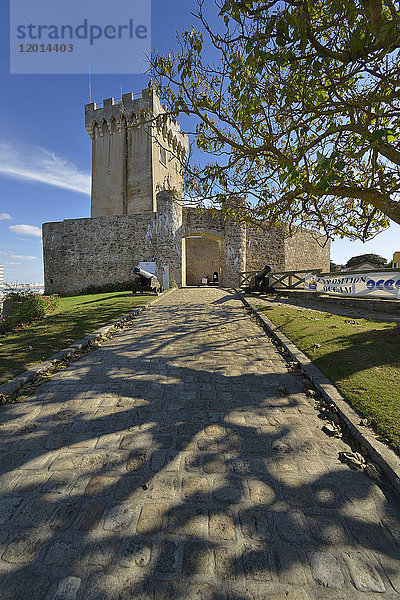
(260, 282)
(145, 281)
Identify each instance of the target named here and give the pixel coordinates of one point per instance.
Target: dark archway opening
(203, 258)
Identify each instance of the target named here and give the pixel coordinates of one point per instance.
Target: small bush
(21, 308)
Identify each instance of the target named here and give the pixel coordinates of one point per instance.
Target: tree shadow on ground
(116, 297)
(168, 465)
(361, 351)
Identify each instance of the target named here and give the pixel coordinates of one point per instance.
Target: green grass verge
(360, 356)
(76, 317)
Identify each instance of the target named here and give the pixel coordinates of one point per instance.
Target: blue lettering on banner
(374, 284)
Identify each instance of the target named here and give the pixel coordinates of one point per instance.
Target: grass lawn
(360, 356)
(76, 317)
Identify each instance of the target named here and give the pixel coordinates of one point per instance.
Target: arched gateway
(202, 255)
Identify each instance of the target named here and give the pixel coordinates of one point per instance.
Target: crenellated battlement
(137, 149)
(130, 112)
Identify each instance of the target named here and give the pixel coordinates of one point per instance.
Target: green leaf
(378, 134)
(340, 165)
(355, 43)
(282, 176)
(247, 123)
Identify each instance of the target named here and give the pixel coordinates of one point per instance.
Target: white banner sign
(378, 284)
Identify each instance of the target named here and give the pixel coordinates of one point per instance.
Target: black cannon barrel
(261, 279)
(267, 269)
(142, 273)
(260, 282)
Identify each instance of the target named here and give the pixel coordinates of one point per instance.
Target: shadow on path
(168, 464)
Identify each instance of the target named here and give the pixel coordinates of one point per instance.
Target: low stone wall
(82, 252)
(79, 253)
(359, 303)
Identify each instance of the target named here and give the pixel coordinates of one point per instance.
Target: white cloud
(12, 263)
(21, 257)
(26, 230)
(5, 217)
(36, 164)
(12, 256)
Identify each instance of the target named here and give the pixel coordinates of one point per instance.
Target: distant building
(396, 260)
(36, 288)
(364, 266)
(1, 278)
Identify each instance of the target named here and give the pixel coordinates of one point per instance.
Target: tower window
(163, 156)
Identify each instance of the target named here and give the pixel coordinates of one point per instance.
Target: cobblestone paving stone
(168, 464)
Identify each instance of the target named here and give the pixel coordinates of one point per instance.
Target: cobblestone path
(181, 460)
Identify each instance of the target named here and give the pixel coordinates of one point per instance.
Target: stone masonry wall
(303, 251)
(232, 238)
(265, 247)
(197, 221)
(168, 237)
(82, 252)
(203, 257)
(235, 253)
(286, 253)
(133, 158)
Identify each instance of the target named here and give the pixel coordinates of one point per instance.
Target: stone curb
(381, 454)
(12, 386)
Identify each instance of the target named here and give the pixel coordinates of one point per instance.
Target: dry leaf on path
(355, 460)
(373, 472)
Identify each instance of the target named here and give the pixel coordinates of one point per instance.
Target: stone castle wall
(231, 239)
(79, 253)
(136, 151)
(203, 257)
(307, 250)
(82, 252)
(265, 248)
(304, 249)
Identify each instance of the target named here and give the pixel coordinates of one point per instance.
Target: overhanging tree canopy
(300, 114)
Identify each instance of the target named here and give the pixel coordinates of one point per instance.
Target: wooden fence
(294, 280)
(282, 280)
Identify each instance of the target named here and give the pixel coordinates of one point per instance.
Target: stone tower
(135, 154)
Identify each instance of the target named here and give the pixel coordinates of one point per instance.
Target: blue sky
(45, 152)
